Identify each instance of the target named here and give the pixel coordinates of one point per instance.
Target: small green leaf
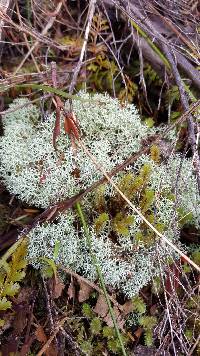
(148, 337)
(22, 264)
(113, 345)
(47, 271)
(10, 289)
(148, 322)
(86, 347)
(149, 122)
(189, 334)
(101, 221)
(4, 304)
(2, 276)
(18, 276)
(175, 115)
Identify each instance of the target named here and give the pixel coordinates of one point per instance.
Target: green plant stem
(49, 89)
(101, 279)
(56, 91)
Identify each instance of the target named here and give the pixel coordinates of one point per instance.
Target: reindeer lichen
(39, 175)
(126, 249)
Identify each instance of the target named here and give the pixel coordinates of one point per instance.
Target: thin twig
(44, 32)
(48, 343)
(30, 31)
(87, 31)
(185, 104)
(194, 346)
(26, 39)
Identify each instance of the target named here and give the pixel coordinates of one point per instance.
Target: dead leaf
(40, 334)
(154, 310)
(71, 126)
(101, 307)
(24, 295)
(138, 333)
(71, 290)
(127, 307)
(10, 346)
(119, 319)
(21, 318)
(27, 345)
(57, 288)
(41, 337)
(84, 292)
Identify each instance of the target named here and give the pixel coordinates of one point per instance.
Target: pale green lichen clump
(128, 271)
(40, 175)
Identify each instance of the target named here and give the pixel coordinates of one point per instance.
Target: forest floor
(147, 54)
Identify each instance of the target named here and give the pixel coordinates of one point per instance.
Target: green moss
(145, 173)
(148, 323)
(147, 200)
(98, 337)
(121, 224)
(189, 334)
(138, 305)
(108, 332)
(155, 153)
(95, 326)
(100, 222)
(87, 311)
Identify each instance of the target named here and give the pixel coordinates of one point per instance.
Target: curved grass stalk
(49, 89)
